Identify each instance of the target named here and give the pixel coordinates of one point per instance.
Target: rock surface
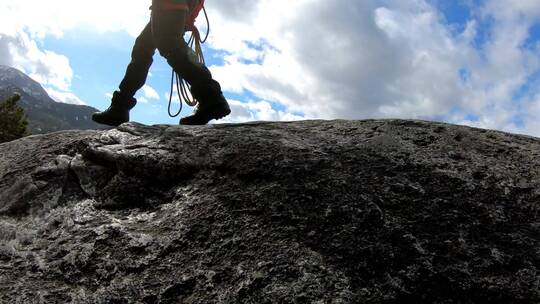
(381, 211)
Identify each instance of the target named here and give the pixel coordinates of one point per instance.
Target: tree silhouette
(12, 120)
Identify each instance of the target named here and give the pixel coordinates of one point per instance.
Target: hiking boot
(118, 111)
(212, 105)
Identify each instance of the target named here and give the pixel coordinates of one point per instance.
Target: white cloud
(142, 100)
(42, 18)
(25, 23)
(256, 111)
(46, 67)
(64, 97)
(358, 59)
(149, 93)
(53, 71)
(532, 112)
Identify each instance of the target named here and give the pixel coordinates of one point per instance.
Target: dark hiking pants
(164, 32)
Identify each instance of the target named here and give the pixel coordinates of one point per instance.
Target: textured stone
(381, 211)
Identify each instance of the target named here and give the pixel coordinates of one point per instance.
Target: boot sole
(108, 122)
(217, 115)
(222, 114)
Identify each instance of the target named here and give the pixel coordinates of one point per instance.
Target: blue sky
(468, 62)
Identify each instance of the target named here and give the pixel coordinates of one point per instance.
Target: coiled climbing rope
(183, 89)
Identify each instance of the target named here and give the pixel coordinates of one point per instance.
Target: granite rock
(376, 211)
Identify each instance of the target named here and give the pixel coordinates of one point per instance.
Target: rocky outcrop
(306, 212)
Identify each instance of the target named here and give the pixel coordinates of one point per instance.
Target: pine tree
(12, 120)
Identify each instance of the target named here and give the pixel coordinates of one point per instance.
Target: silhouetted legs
(165, 32)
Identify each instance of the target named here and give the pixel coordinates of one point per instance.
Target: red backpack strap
(173, 5)
(190, 24)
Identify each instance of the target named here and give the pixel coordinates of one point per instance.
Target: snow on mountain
(11, 77)
(43, 112)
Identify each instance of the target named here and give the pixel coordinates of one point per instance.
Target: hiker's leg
(137, 71)
(168, 32)
(141, 60)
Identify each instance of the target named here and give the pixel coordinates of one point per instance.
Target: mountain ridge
(43, 113)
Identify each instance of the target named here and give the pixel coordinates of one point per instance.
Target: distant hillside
(44, 114)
